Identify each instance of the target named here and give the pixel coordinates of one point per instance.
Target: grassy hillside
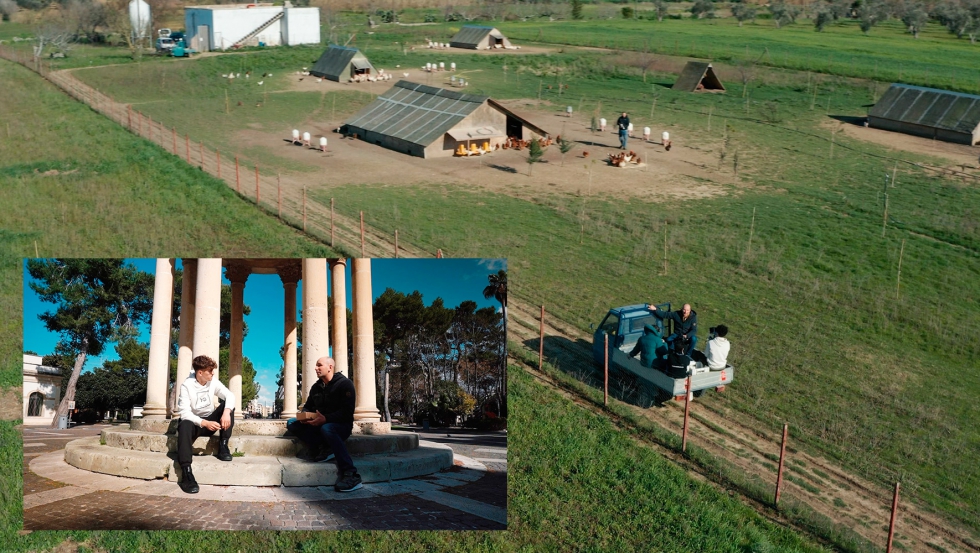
(75, 184)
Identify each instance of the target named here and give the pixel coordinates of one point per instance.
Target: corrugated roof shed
(470, 34)
(695, 73)
(334, 61)
(416, 113)
(929, 107)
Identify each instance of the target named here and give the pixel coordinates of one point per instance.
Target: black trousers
(187, 432)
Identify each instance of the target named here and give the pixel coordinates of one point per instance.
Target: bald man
(685, 325)
(332, 399)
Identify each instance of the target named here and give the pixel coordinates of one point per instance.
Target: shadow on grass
(850, 119)
(504, 168)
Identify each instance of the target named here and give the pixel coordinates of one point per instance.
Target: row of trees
(99, 302)
(435, 362)
(959, 17)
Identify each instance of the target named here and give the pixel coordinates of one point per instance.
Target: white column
(159, 366)
(185, 340)
(366, 409)
(237, 273)
(290, 275)
(207, 309)
(339, 328)
(316, 320)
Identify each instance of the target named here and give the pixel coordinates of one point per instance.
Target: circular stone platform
(264, 456)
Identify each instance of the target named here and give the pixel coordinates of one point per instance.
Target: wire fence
(290, 203)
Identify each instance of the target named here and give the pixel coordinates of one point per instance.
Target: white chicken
(260, 83)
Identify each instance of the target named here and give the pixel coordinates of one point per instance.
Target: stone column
(237, 273)
(158, 372)
(338, 283)
(316, 320)
(366, 409)
(207, 309)
(290, 275)
(185, 340)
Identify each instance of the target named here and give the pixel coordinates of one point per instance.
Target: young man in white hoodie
(199, 416)
(715, 355)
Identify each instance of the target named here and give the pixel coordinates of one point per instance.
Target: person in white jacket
(200, 417)
(715, 354)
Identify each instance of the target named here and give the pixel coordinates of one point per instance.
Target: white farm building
(225, 26)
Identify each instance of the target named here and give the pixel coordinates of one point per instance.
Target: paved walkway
(469, 496)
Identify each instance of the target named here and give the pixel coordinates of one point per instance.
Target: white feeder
(428, 67)
(453, 79)
(646, 133)
(323, 144)
(295, 135)
(568, 110)
(665, 136)
(630, 127)
(442, 66)
(602, 124)
(306, 138)
(452, 66)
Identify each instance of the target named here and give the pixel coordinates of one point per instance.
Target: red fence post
(173, 131)
(331, 222)
(279, 194)
(217, 154)
(140, 124)
(129, 117)
(304, 209)
(779, 474)
(396, 243)
(256, 185)
(891, 525)
(362, 234)
(605, 395)
(202, 155)
(687, 411)
(187, 147)
(541, 341)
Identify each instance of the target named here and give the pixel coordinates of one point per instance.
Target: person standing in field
(623, 124)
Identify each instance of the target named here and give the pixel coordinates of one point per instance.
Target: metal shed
(698, 76)
(224, 26)
(426, 121)
(340, 63)
(928, 112)
(478, 37)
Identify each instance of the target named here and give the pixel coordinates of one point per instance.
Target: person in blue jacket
(651, 348)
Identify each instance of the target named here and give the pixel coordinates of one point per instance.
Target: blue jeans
(690, 346)
(332, 433)
(622, 138)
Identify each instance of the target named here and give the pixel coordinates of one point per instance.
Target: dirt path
(724, 433)
(10, 404)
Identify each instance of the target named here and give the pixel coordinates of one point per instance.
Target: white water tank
(139, 18)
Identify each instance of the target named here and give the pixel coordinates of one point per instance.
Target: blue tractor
(624, 326)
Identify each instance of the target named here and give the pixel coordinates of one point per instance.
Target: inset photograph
(265, 394)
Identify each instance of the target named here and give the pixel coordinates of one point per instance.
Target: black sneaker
(349, 482)
(187, 481)
(324, 455)
(223, 453)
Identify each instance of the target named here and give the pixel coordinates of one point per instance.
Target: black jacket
(623, 123)
(687, 328)
(334, 400)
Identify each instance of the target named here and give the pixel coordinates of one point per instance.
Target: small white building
(42, 391)
(224, 26)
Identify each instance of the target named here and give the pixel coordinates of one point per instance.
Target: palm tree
(498, 290)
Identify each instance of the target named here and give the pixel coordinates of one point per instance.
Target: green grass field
(75, 184)
(815, 299)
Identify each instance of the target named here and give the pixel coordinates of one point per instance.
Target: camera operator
(715, 354)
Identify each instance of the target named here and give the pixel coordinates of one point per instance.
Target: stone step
(256, 445)
(253, 427)
(90, 454)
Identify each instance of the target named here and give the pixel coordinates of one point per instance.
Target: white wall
(48, 385)
(301, 26)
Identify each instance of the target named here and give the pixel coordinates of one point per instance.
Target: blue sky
(454, 280)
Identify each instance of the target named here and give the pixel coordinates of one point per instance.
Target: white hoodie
(195, 401)
(717, 353)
